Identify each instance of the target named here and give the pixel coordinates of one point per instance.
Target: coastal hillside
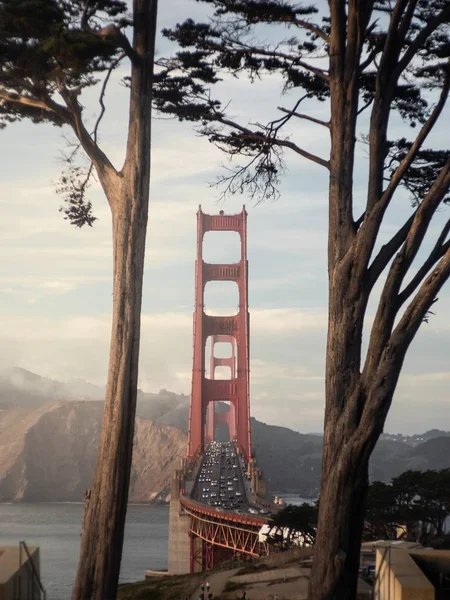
(48, 448)
(291, 461)
(49, 453)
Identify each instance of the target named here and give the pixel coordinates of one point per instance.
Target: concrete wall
(179, 524)
(434, 560)
(17, 583)
(399, 578)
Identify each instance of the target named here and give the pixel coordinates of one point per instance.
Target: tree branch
(111, 68)
(360, 220)
(313, 28)
(416, 312)
(283, 120)
(275, 141)
(389, 304)
(416, 146)
(357, 25)
(438, 251)
(106, 171)
(385, 85)
(47, 104)
(364, 106)
(381, 378)
(371, 56)
(422, 218)
(312, 157)
(376, 207)
(110, 31)
(420, 39)
(305, 117)
(387, 252)
(244, 49)
(394, 40)
(263, 182)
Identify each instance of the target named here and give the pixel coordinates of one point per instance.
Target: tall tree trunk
(341, 516)
(342, 507)
(345, 451)
(102, 536)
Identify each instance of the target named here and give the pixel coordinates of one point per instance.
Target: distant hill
(20, 388)
(48, 443)
(291, 461)
(49, 453)
(417, 438)
(434, 451)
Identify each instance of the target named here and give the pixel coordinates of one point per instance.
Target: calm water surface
(55, 528)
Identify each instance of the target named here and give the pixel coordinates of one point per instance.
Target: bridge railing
(199, 507)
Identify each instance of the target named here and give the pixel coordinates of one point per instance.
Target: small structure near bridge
(20, 573)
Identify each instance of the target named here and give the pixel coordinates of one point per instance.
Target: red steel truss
(205, 556)
(206, 391)
(238, 537)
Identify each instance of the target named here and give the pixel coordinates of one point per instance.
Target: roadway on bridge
(221, 481)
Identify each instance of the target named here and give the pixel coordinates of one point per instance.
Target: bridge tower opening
(227, 363)
(232, 329)
(221, 424)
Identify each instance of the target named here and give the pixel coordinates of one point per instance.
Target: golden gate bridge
(218, 505)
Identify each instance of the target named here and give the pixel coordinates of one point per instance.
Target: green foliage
(254, 38)
(417, 500)
(422, 173)
(46, 45)
(73, 184)
(291, 522)
(53, 49)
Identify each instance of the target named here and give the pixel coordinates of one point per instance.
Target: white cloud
(55, 285)
(287, 320)
(414, 379)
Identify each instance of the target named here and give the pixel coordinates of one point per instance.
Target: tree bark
(341, 515)
(345, 461)
(102, 537)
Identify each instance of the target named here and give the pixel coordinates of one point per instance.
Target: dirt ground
(286, 583)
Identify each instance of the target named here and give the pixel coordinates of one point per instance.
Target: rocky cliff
(49, 453)
(48, 449)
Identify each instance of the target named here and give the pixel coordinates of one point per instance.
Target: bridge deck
(222, 484)
(224, 513)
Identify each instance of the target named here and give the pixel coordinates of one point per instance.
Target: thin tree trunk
(102, 538)
(104, 523)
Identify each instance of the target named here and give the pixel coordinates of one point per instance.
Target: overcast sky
(55, 280)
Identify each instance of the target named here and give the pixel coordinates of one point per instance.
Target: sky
(55, 280)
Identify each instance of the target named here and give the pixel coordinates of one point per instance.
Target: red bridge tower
(233, 329)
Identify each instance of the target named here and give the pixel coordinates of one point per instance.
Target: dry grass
(256, 567)
(168, 587)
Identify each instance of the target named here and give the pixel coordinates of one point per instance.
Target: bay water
(56, 527)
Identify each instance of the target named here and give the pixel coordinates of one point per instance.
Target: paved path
(217, 582)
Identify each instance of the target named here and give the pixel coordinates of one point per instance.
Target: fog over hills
(49, 434)
(49, 453)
